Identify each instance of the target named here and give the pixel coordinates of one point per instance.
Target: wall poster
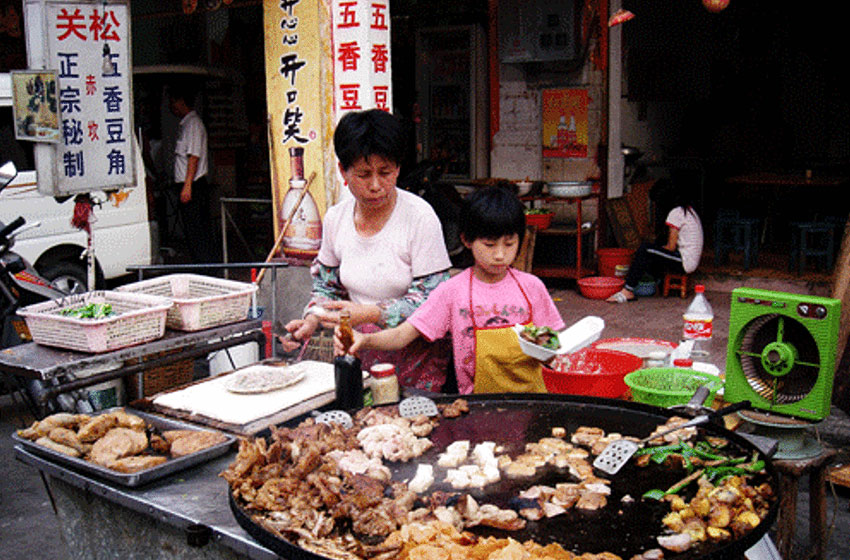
(565, 123)
(323, 58)
(35, 106)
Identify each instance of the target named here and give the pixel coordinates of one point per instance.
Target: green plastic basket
(670, 386)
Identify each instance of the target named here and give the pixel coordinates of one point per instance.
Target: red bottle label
(697, 328)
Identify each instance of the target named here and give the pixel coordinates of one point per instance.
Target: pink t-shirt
(383, 266)
(447, 310)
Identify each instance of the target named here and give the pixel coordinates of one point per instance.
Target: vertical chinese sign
(88, 45)
(300, 109)
(362, 69)
(565, 123)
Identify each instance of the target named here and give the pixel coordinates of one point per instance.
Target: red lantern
(715, 6)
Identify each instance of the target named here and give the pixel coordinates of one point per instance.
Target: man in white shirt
(190, 173)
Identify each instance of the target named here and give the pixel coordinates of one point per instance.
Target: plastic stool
(812, 240)
(735, 233)
(673, 281)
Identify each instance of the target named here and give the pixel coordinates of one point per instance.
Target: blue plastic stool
(733, 233)
(812, 240)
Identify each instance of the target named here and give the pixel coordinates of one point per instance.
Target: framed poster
(35, 105)
(565, 126)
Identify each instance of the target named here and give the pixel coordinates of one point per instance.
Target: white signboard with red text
(361, 42)
(88, 45)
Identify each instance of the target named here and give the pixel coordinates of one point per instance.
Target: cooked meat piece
(591, 501)
(158, 444)
(455, 409)
(69, 438)
(195, 441)
(678, 542)
(45, 441)
(362, 491)
(59, 420)
(117, 443)
(171, 435)
(136, 463)
(587, 435)
(127, 420)
(96, 428)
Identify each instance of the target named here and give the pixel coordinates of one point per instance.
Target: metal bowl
(570, 189)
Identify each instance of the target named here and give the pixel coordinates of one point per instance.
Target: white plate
(263, 379)
(576, 336)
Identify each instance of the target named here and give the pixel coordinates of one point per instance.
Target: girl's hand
(355, 346)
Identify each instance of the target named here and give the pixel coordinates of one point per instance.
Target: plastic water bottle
(698, 323)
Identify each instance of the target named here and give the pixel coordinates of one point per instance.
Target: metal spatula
(335, 417)
(417, 406)
(617, 453)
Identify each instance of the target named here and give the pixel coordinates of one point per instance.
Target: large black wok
(513, 420)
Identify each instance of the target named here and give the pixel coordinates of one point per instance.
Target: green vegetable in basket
(529, 211)
(90, 311)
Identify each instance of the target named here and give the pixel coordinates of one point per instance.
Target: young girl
(681, 252)
(480, 305)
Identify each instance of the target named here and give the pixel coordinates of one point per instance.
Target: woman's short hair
(490, 213)
(361, 134)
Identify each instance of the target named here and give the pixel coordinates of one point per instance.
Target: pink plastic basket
(200, 302)
(137, 318)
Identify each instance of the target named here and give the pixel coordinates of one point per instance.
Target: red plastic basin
(590, 372)
(600, 287)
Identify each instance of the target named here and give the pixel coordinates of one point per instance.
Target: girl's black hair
(490, 213)
(361, 134)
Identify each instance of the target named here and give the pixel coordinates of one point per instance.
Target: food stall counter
(157, 520)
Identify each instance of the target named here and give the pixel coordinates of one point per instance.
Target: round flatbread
(262, 379)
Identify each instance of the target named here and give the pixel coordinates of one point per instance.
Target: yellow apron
(500, 364)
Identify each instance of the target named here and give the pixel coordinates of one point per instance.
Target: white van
(123, 231)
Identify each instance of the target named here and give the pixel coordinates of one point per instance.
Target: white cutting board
(212, 400)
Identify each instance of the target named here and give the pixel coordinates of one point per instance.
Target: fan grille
(758, 343)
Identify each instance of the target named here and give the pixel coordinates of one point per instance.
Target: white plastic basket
(200, 302)
(137, 318)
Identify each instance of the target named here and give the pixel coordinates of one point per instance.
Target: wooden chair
(673, 281)
(526, 251)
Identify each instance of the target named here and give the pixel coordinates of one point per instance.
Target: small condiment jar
(385, 388)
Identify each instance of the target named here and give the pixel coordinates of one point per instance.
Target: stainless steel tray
(171, 466)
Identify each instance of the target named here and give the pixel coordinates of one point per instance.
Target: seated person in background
(382, 251)
(480, 305)
(681, 253)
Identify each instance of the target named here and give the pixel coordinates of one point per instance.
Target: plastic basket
(670, 386)
(137, 318)
(200, 302)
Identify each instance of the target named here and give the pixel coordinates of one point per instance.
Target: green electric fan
(781, 352)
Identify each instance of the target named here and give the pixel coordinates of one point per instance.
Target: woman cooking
(382, 251)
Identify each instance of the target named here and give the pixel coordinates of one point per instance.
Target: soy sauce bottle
(348, 373)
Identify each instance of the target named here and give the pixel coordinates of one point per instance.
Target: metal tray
(513, 420)
(142, 477)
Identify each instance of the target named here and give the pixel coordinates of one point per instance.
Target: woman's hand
(299, 330)
(358, 337)
(360, 313)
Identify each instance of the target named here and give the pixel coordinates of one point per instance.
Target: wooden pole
(283, 229)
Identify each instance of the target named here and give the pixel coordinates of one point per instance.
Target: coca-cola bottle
(698, 323)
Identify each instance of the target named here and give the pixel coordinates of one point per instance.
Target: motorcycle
(20, 283)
